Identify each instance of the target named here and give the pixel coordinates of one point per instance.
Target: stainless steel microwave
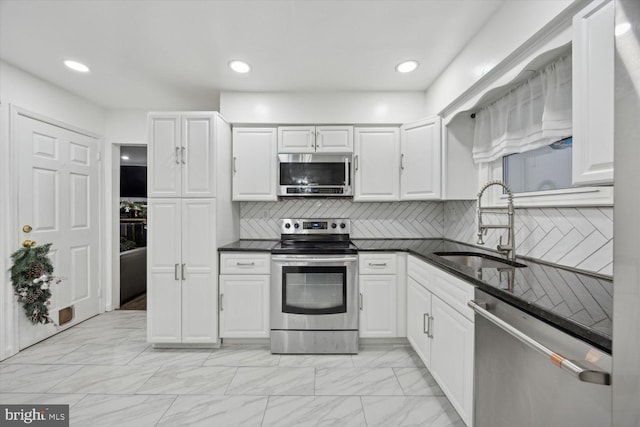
(319, 175)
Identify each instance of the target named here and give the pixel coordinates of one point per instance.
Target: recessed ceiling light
(622, 28)
(124, 157)
(76, 66)
(407, 66)
(239, 66)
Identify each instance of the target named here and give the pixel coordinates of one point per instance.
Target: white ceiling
(160, 53)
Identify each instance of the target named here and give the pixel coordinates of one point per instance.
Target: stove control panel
(315, 226)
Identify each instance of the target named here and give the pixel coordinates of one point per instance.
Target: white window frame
(578, 196)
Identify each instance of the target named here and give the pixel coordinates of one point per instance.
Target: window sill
(570, 197)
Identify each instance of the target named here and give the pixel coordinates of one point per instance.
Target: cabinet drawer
(245, 263)
(378, 263)
(455, 292)
(452, 290)
(419, 271)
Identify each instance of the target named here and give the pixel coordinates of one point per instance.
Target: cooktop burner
(315, 236)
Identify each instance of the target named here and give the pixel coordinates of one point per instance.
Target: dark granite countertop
(250, 246)
(576, 302)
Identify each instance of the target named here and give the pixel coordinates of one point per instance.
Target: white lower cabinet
(378, 306)
(244, 297)
(378, 287)
(452, 356)
(418, 318)
(440, 329)
(181, 290)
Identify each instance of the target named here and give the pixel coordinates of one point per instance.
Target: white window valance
(532, 115)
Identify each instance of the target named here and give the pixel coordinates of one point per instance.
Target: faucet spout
(510, 247)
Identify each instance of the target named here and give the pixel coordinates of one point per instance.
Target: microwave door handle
(347, 175)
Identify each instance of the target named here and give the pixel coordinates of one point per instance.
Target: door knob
(28, 243)
(27, 229)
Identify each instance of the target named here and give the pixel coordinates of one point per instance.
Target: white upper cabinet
(315, 139)
(181, 155)
(376, 162)
(593, 94)
(420, 160)
(254, 164)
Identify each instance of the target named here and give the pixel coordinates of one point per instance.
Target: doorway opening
(133, 227)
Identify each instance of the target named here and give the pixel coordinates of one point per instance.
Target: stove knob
(296, 225)
(343, 225)
(287, 226)
(334, 225)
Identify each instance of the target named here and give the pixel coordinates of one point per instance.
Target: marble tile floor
(104, 369)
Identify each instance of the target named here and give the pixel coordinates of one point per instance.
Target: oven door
(310, 292)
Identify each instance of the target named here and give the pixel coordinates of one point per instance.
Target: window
(543, 169)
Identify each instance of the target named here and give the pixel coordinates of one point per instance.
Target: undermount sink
(478, 260)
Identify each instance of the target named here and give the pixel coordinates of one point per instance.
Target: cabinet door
(420, 160)
(452, 356)
(296, 139)
(334, 139)
(254, 164)
(198, 271)
(244, 306)
(164, 156)
(418, 312)
(198, 155)
(164, 290)
(378, 306)
(593, 97)
(376, 163)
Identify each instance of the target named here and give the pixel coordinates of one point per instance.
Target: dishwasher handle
(584, 374)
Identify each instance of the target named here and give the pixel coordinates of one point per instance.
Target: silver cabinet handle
(177, 155)
(377, 264)
(175, 272)
(182, 271)
(425, 323)
(221, 301)
(360, 300)
(234, 165)
(401, 161)
(356, 162)
(430, 326)
(573, 367)
(184, 162)
(245, 264)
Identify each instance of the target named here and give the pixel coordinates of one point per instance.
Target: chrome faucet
(510, 247)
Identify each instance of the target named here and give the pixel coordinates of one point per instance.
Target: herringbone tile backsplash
(575, 237)
(259, 220)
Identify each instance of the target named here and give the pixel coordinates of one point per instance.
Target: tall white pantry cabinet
(190, 214)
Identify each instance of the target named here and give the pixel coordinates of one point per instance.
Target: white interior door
(58, 197)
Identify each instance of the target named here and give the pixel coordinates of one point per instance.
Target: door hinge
(98, 155)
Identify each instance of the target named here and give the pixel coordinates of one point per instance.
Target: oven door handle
(280, 258)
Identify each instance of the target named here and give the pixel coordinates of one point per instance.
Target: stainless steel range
(314, 288)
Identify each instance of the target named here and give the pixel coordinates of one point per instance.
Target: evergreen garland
(32, 276)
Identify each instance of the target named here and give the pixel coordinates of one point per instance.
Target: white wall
(512, 25)
(322, 107)
(126, 127)
(122, 127)
(24, 90)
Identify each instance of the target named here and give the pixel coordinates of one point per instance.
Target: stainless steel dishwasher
(530, 374)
